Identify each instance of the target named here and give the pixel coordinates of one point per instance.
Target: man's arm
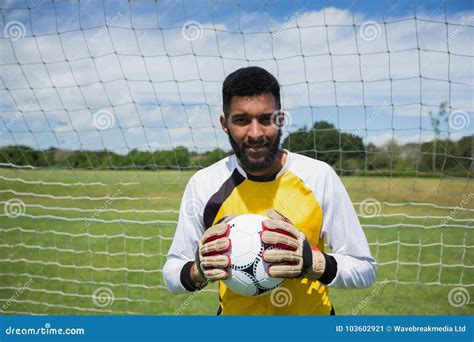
(344, 235)
(196, 256)
(179, 264)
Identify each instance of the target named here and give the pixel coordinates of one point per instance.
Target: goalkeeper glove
(293, 256)
(211, 264)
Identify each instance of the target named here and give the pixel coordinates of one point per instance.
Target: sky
(147, 75)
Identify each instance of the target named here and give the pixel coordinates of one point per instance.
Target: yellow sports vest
(290, 196)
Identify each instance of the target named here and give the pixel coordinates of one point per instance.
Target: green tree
(325, 142)
(436, 120)
(22, 155)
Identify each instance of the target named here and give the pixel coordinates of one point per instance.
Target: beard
(264, 163)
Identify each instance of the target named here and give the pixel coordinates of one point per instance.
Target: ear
(224, 123)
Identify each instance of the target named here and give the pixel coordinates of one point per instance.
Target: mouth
(256, 151)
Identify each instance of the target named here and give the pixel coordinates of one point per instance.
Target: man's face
(253, 134)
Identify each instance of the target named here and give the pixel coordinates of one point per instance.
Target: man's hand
(293, 256)
(211, 264)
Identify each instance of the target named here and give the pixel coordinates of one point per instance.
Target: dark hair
(249, 81)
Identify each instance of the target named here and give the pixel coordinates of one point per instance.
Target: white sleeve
(189, 231)
(344, 235)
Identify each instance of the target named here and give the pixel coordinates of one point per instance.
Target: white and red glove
(293, 256)
(211, 264)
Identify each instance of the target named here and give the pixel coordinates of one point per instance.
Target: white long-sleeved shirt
(209, 191)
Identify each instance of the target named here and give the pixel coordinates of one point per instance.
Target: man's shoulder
(310, 166)
(318, 175)
(217, 172)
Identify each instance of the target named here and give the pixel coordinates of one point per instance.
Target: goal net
(108, 108)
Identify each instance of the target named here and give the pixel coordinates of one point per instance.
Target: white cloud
(132, 72)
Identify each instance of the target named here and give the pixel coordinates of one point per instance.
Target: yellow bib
(290, 196)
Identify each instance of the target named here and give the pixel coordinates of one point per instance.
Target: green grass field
(64, 257)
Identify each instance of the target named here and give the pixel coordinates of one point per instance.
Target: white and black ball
(248, 272)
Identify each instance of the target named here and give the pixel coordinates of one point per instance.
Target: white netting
(107, 108)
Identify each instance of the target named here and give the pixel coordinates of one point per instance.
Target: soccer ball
(248, 273)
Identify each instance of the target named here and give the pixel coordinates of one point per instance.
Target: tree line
(345, 152)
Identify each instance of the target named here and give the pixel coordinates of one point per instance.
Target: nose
(255, 131)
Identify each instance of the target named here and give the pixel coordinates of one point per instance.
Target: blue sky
(155, 83)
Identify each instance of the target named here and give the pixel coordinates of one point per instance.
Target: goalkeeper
(304, 199)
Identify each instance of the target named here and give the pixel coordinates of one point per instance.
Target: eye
(266, 119)
(240, 120)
